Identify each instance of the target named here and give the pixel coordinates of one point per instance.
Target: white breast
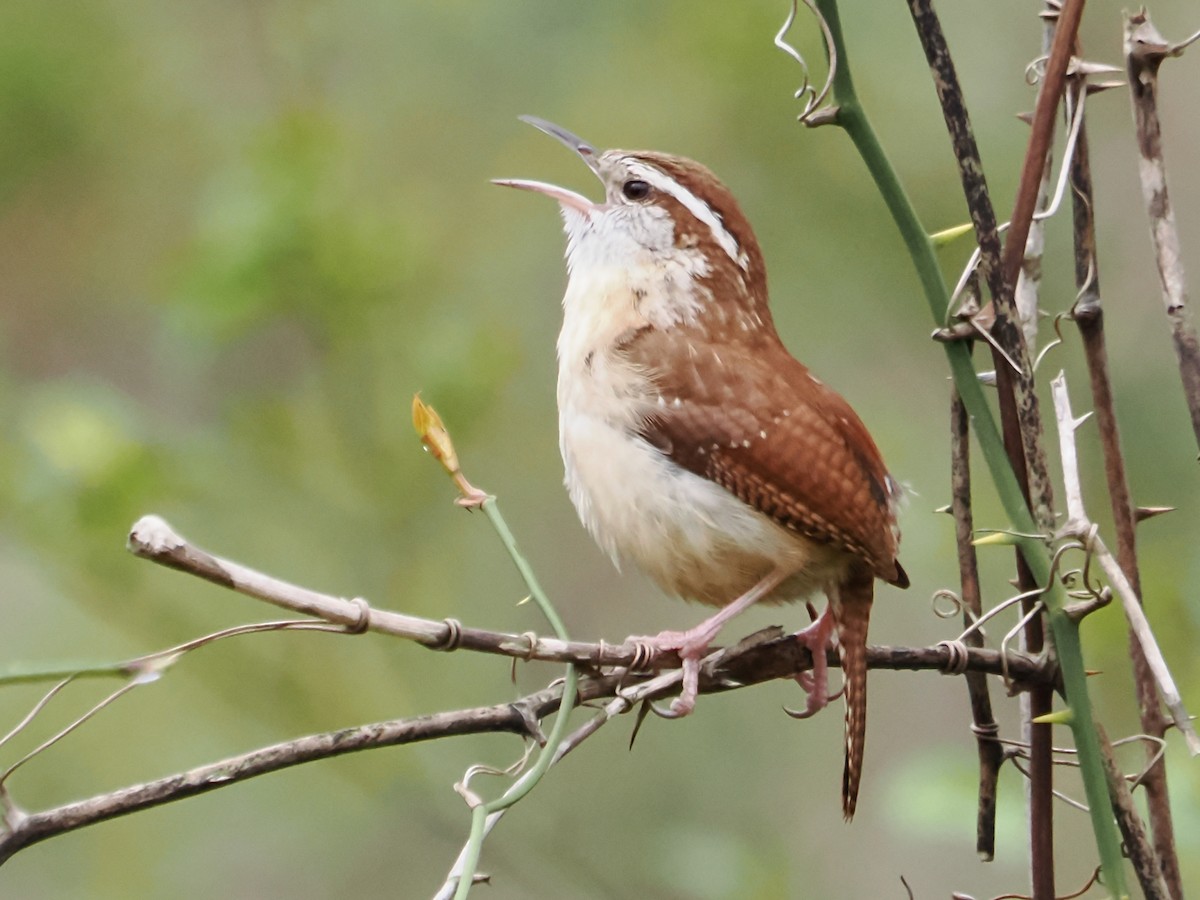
(690, 535)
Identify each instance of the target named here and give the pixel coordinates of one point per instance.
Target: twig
(991, 754)
(154, 539)
(1141, 854)
(1027, 290)
(1088, 315)
(747, 664)
(1019, 413)
(1145, 50)
(777, 659)
(33, 828)
(1080, 526)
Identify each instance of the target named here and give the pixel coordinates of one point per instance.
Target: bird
(695, 446)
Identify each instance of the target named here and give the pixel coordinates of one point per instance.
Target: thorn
(949, 235)
(643, 711)
(826, 116)
(944, 509)
(1083, 67)
(962, 331)
(996, 539)
(532, 726)
(1026, 117)
(1058, 717)
(1142, 513)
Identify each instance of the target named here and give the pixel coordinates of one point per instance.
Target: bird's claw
(814, 705)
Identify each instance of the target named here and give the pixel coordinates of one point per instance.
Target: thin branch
(991, 754)
(1079, 525)
(764, 657)
(1141, 853)
(1088, 315)
(1019, 414)
(1027, 290)
(33, 828)
(1145, 50)
(779, 658)
(154, 539)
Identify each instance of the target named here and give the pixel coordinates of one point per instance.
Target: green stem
(17, 675)
(545, 759)
(852, 118)
(492, 510)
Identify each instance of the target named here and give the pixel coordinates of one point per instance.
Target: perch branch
(154, 539)
(769, 657)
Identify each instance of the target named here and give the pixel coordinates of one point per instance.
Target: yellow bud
(434, 435)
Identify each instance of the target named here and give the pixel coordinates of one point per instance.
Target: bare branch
(154, 539)
(27, 829)
(1079, 525)
(1088, 314)
(1145, 50)
(762, 657)
(991, 754)
(1140, 852)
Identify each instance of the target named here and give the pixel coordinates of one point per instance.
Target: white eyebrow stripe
(693, 204)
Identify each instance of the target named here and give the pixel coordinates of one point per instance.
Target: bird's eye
(635, 189)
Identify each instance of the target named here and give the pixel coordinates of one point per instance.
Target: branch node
(956, 657)
(1077, 611)
(451, 640)
(362, 624)
(529, 719)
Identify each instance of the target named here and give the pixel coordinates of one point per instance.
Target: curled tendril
(814, 113)
(1076, 120)
(463, 788)
(1036, 70)
(1081, 583)
(955, 602)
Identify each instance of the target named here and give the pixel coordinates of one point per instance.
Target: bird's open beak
(568, 199)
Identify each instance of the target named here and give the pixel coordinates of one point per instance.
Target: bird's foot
(818, 638)
(691, 646)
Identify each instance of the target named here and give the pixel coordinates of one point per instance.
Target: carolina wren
(694, 444)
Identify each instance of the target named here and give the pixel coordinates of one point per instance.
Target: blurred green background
(236, 237)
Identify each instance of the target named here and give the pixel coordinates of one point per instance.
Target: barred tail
(852, 611)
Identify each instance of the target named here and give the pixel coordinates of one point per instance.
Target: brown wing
(760, 425)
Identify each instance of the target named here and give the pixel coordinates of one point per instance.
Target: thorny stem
(1020, 419)
(1145, 50)
(1027, 291)
(851, 117)
(1141, 854)
(1088, 314)
(991, 754)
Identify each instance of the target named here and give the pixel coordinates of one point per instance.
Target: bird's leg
(817, 637)
(692, 645)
